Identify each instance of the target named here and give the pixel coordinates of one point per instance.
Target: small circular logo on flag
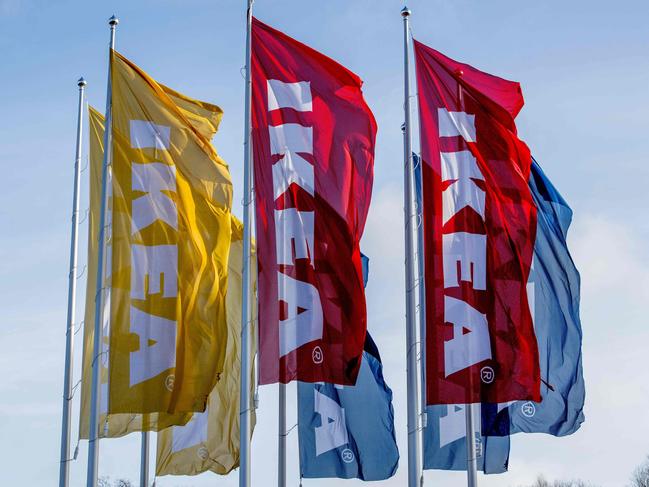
(202, 453)
(487, 375)
(169, 382)
(317, 355)
(347, 455)
(528, 409)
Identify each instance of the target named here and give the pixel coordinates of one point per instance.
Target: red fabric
(344, 132)
(509, 225)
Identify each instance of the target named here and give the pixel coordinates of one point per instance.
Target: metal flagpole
(471, 458)
(144, 459)
(469, 411)
(64, 468)
(248, 206)
(93, 436)
(281, 447)
(414, 461)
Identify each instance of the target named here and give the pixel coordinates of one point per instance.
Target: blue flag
(554, 285)
(445, 438)
(348, 431)
(365, 265)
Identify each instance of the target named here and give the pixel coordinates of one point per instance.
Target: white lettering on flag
(470, 343)
(157, 346)
(293, 229)
(146, 134)
(292, 168)
(289, 95)
(452, 427)
(453, 124)
(298, 328)
(464, 255)
(462, 169)
(469, 250)
(332, 432)
(152, 179)
(290, 137)
(153, 270)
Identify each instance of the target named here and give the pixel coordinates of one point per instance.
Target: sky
(584, 69)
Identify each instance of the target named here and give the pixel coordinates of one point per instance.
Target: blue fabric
(356, 423)
(365, 264)
(445, 438)
(554, 283)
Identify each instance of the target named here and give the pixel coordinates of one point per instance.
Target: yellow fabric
(205, 117)
(117, 424)
(163, 162)
(210, 441)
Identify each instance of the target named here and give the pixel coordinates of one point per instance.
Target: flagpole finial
(113, 21)
(405, 12)
(81, 82)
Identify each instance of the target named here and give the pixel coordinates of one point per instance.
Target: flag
(479, 228)
(445, 437)
(115, 425)
(348, 431)
(313, 139)
(170, 239)
(210, 441)
(554, 285)
(365, 267)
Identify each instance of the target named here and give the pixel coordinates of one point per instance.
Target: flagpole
(144, 459)
(93, 436)
(281, 450)
(64, 468)
(471, 459)
(248, 206)
(414, 461)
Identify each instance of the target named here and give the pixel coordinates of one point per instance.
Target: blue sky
(584, 71)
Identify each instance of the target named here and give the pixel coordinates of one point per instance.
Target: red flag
(479, 231)
(313, 138)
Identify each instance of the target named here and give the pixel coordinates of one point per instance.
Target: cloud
(610, 258)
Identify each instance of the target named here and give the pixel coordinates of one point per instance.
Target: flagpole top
(405, 12)
(113, 21)
(81, 82)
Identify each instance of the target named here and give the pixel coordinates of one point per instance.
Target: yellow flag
(170, 241)
(114, 425)
(210, 441)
